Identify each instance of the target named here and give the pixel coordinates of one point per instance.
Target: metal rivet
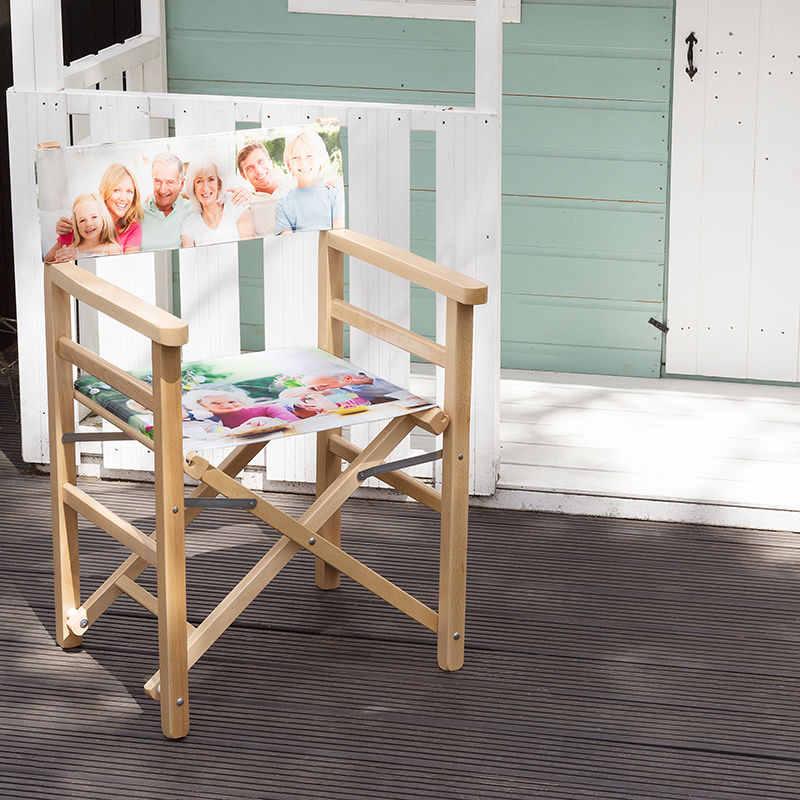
(312, 540)
(179, 701)
(175, 510)
(460, 456)
(456, 635)
(84, 623)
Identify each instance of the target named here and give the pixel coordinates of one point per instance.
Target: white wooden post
(32, 118)
(37, 52)
(155, 69)
(468, 205)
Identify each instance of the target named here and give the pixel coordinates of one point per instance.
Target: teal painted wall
(586, 120)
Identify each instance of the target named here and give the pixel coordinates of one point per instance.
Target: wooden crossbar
(302, 531)
(297, 534)
(156, 324)
(390, 332)
(96, 408)
(234, 603)
(90, 362)
(429, 274)
(407, 484)
(105, 519)
(102, 598)
(144, 598)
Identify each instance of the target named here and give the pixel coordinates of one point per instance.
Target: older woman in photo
(215, 218)
(121, 195)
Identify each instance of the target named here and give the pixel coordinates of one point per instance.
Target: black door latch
(691, 70)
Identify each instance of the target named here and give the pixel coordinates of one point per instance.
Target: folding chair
(180, 645)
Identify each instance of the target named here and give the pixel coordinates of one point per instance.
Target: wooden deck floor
(606, 659)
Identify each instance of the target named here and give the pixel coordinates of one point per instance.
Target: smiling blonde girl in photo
(93, 231)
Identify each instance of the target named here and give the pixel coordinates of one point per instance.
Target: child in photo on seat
(311, 205)
(93, 231)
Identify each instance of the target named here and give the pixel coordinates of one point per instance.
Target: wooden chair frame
(317, 530)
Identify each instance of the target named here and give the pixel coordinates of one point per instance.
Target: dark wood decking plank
(606, 660)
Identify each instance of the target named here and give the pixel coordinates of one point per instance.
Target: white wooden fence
(467, 212)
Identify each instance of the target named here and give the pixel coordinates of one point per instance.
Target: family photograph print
(164, 194)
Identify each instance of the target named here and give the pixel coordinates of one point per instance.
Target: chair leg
(453, 554)
(65, 562)
(171, 552)
(329, 467)
(62, 464)
(455, 487)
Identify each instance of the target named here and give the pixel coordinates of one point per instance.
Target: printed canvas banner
(162, 194)
(262, 396)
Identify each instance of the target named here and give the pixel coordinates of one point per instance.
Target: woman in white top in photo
(214, 219)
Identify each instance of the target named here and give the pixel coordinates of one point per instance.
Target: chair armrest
(156, 324)
(420, 270)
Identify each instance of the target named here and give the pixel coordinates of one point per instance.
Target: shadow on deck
(605, 659)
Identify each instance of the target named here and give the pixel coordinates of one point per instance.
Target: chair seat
(262, 396)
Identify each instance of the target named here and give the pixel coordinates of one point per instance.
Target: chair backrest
(214, 189)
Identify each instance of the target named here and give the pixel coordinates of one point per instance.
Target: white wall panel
(734, 288)
(775, 277)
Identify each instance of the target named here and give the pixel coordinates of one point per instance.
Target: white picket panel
(290, 308)
(209, 276)
(468, 240)
(32, 118)
(379, 157)
(114, 119)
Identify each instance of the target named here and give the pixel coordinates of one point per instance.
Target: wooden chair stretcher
(317, 530)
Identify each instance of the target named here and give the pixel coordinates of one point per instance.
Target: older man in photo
(264, 189)
(166, 210)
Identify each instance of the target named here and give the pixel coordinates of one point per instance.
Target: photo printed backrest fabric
(164, 194)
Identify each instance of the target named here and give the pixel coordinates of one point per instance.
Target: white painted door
(733, 302)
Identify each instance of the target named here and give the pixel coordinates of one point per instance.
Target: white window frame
(412, 9)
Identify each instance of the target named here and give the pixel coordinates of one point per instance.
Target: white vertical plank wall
(734, 288)
(775, 277)
(686, 166)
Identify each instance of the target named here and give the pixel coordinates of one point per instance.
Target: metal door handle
(691, 70)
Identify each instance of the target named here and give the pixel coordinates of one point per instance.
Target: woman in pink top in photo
(121, 195)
